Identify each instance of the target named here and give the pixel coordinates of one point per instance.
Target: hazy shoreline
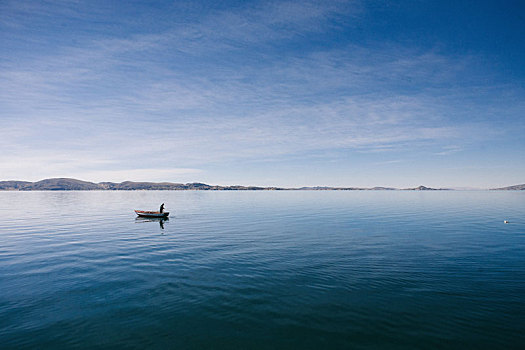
(68, 184)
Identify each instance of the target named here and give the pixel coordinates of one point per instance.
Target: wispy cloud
(225, 87)
(447, 150)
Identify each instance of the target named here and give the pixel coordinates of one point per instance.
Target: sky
(268, 93)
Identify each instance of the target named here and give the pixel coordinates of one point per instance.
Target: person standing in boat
(162, 208)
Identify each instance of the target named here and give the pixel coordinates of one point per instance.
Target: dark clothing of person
(162, 208)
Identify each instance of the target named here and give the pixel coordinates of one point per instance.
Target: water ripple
(263, 270)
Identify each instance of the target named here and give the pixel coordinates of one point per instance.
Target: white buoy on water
(505, 222)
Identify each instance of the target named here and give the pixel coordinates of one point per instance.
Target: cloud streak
(225, 87)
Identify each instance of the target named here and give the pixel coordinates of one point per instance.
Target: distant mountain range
(511, 188)
(66, 184)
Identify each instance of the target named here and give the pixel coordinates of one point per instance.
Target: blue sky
(285, 93)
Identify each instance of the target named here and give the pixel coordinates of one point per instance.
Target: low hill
(58, 184)
(62, 184)
(511, 188)
(13, 185)
(424, 188)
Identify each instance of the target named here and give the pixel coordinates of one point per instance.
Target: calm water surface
(263, 270)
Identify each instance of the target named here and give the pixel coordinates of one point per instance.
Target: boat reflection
(159, 220)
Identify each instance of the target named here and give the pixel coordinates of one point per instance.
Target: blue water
(263, 270)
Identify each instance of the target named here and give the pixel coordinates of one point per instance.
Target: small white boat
(152, 214)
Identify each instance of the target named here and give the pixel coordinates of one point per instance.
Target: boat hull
(151, 214)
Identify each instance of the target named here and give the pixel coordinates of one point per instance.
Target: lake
(263, 270)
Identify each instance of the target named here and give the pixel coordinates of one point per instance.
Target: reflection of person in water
(162, 208)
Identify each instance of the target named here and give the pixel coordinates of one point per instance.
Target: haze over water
(263, 270)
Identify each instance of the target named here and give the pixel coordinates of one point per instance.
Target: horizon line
(317, 187)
